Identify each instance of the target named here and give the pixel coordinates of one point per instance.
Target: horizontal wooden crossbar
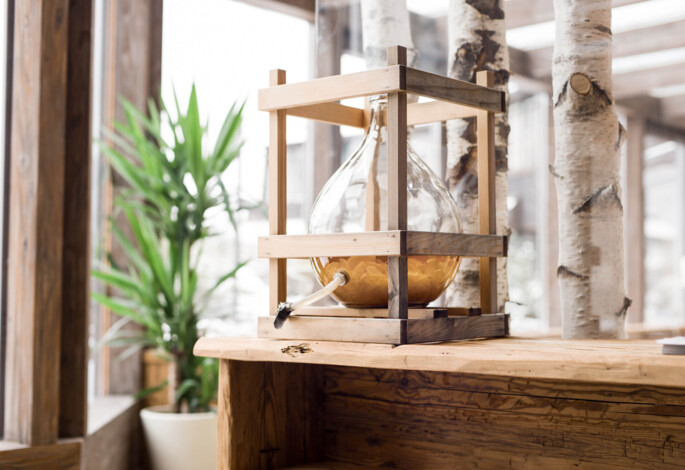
(395, 78)
(388, 243)
(386, 330)
(417, 113)
(337, 311)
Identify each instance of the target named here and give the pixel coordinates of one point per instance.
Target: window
(226, 48)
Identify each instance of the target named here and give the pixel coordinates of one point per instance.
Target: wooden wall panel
(405, 419)
(269, 415)
(34, 300)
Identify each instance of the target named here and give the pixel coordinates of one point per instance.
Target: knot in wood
(580, 83)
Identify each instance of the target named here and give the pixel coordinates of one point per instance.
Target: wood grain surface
(636, 362)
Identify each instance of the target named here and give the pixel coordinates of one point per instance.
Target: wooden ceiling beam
(641, 82)
(520, 13)
(640, 41)
(673, 107)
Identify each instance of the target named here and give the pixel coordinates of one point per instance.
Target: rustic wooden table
(505, 403)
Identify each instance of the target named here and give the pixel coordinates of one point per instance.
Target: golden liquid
(428, 277)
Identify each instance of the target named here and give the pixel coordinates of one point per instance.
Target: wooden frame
(317, 100)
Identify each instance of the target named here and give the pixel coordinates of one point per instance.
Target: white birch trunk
(476, 41)
(385, 23)
(586, 171)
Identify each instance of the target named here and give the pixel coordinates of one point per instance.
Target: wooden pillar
(633, 219)
(34, 297)
(277, 195)
(398, 291)
(134, 45)
(76, 249)
(270, 415)
(485, 123)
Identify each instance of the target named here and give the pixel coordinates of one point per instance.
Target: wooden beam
(277, 194)
(390, 79)
(76, 250)
(673, 106)
(386, 330)
(335, 88)
(34, 297)
(633, 215)
(61, 456)
(305, 9)
(520, 13)
(398, 288)
(443, 88)
(485, 123)
(642, 81)
(390, 243)
(639, 41)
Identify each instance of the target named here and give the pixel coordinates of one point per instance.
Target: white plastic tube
(340, 278)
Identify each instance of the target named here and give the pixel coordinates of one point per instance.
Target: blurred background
(227, 47)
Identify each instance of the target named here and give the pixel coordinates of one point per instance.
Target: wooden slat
(270, 416)
(390, 243)
(34, 297)
(455, 91)
(358, 330)
(76, 250)
(332, 113)
(456, 328)
(486, 197)
(431, 312)
(462, 244)
(386, 330)
(335, 244)
(61, 456)
(335, 88)
(367, 312)
(633, 362)
(634, 217)
(417, 113)
(434, 111)
(277, 195)
(398, 288)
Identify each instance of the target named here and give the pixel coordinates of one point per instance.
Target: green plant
(174, 183)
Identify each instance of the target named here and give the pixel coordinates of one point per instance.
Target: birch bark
(476, 41)
(586, 171)
(385, 23)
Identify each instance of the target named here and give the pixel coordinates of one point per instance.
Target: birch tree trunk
(586, 171)
(385, 23)
(476, 41)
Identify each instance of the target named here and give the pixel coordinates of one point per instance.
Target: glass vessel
(355, 199)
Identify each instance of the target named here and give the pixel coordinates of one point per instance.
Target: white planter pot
(180, 441)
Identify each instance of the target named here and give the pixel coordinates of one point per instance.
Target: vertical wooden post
(398, 292)
(486, 196)
(277, 195)
(76, 249)
(270, 415)
(34, 274)
(633, 216)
